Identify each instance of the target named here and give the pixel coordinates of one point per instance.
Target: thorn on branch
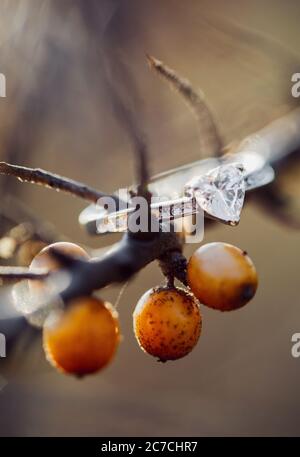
(210, 140)
(53, 181)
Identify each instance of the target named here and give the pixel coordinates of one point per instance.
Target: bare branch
(126, 103)
(18, 273)
(210, 140)
(131, 125)
(122, 262)
(19, 214)
(139, 144)
(142, 170)
(120, 82)
(53, 181)
(119, 264)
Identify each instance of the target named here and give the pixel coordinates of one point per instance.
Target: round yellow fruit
(167, 322)
(82, 339)
(45, 261)
(222, 276)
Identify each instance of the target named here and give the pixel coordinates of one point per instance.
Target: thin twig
(126, 103)
(142, 170)
(53, 181)
(18, 273)
(120, 294)
(210, 140)
(131, 125)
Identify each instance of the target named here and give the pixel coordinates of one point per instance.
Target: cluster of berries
(83, 338)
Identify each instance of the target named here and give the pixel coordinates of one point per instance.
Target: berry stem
(170, 281)
(173, 265)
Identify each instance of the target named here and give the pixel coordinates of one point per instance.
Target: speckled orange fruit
(222, 276)
(84, 338)
(44, 260)
(167, 322)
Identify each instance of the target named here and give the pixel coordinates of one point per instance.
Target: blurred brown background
(59, 58)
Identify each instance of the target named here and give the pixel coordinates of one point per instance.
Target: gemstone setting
(220, 192)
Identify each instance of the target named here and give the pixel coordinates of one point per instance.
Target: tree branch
(18, 273)
(124, 260)
(131, 125)
(275, 143)
(210, 140)
(53, 181)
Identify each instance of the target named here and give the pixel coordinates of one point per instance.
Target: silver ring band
(254, 170)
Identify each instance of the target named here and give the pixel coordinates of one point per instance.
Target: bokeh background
(61, 59)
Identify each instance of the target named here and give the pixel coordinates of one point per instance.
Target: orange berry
(222, 276)
(44, 260)
(167, 322)
(82, 339)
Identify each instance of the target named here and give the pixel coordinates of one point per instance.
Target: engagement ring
(215, 186)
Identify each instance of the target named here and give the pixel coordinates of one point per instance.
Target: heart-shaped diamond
(220, 192)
